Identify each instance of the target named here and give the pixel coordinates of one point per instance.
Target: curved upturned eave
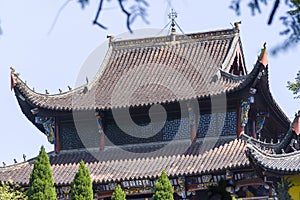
(270, 99)
(278, 163)
(30, 96)
(225, 83)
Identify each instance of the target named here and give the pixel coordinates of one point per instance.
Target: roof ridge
(179, 37)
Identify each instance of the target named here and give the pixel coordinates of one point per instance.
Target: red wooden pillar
(101, 131)
(57, 141)
(240, 128)
(193, 130)
(192, 120)
(254, 128)
(102, 141)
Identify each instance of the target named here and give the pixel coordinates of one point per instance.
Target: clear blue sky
(52, 61)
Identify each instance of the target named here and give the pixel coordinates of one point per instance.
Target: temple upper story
(159, 89)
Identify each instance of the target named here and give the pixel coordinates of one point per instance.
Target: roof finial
(12, 70)
(237, 24)
(111, 38)
(263, 59)
(172, 15)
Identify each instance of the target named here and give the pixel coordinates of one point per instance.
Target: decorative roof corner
(13, 81)
(110, 38)
(263, 59)
(237, 25)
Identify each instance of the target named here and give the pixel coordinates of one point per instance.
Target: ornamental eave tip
(12, 70)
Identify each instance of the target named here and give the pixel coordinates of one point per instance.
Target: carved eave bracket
(49, 126)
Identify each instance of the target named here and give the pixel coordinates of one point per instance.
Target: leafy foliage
(295, 87)
(132, 9)
(83, 3)
(163, 189)
(118, 194)
(41, 184)
(291, 20)
(219, 191)
(283, 189)
(82, 188)
(9, 190)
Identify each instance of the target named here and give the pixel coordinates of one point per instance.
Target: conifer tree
(82, 187)
(41, 184)
(163, 189)
(118, 194)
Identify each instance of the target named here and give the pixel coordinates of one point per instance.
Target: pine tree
(41, 184)
(118, 194)
(82, 187)
(163, 189)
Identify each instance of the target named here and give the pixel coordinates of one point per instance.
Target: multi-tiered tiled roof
(155, 70)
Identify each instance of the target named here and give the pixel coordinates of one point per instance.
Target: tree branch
(127, 13)
(275, 7)
(57, 15)
(95, 22)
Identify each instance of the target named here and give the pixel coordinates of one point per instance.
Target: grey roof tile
(288, 163)
(152, 71)
(231, 156)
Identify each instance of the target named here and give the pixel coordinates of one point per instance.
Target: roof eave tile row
(288, 163)
(228, 156)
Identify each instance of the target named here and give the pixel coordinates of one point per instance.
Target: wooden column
(101, 131)
(102, 141)
(57, 141)
(240, 128)
(193, 130)
(254, 128)
(192, 120)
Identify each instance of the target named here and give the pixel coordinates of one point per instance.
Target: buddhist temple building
(185, 104)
